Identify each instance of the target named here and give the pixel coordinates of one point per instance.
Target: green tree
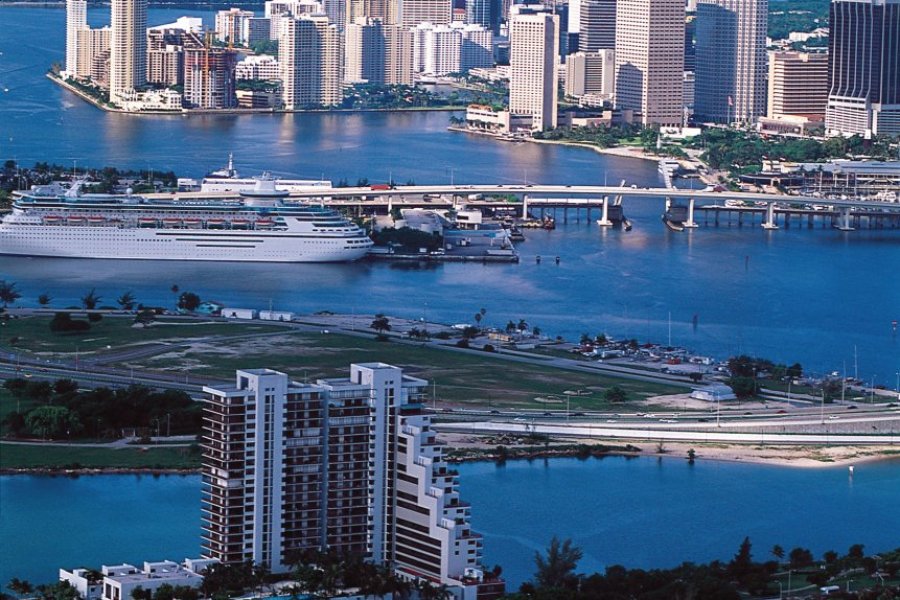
(615, 394)
(44, 299)
(744, 387)
(556, 569)
(800, 557)
(20, 587)
(188, 301)
(8, 293)
(380, 324)
(139, 593)
(50, 422)
(778, 552)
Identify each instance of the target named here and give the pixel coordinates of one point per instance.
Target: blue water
(813, 296)
(638, 512)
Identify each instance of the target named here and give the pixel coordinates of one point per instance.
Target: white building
(477, 47)
(260, 67)
(119, 581)
(356, 465)
(714, 392)
(279, 12)
(440, 50)
(233, 26)
(650, 60)
(127, 47)
(533, 61)
(309, 51)
(414, 12)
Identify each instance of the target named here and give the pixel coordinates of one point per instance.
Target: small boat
(170, 222)
(240, 224)
(96, 221)
(193, 223)
(264, 223)
(215, 223)
(52, 220)
(147, 222)
(75, 220)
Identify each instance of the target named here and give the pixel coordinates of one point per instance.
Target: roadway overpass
(562, 196)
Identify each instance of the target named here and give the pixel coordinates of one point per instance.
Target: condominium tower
(350, 465)
(650, 60)
(485, 13)
(127, 47)
(309, 53)
(731, 60)
(533, 61)
(864, 76)
(76, 20)
(597, 25)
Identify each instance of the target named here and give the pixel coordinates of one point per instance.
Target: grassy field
(480, 379)
(13, 456)
(9, 404)
(34, 333)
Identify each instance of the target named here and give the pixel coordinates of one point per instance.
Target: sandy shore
(622, 151)
(791, 456)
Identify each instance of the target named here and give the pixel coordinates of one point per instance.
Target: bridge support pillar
(770, 223)
(524, 206)
(843, 222)
(604, 216)
(690, 216)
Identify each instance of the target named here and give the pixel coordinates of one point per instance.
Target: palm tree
(778, 552)
(91, 300)
(381, 324)
(557, 568)
(8, 292)
(44, 299)
(20, 587)
(126, 301)
(522, 326)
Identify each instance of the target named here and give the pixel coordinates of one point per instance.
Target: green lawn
(9, 404)
(34, 333)
(14, 456)
(480, 379)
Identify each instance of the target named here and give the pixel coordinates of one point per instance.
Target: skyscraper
(485, 13)
(127, 47)
(650, 60)
(798, 85)
(533, 60)
(349, 464)
(598, 25)
(864, 73)
(364, 52)
(209, 80)
(76, 20)
(731, 60)
(412, 12)
(309, 53)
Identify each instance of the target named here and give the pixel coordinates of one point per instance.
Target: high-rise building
(259, 29)
(476, 49)
(280, 11)
(731, 60)
(209, 80)
(90, 44)
(259, 67)
(437, 49)
(798, 85)
(485, 13)
(533, 61)
(127, 47)
(76, 21)
(309, 52)
(413, 12)
(650, 60)
(364, 52)
(864, 72)
(398, 56)
(233, 26)
(591, 73)
(385, 10)
(350, 465)
(597, 24)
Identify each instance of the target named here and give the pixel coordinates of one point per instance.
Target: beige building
(533, 61)
(650, 60)
(90, 44)
(127, 47)
(591, 73)
(412, 12)
(731, 60)
(233, 26)
(398, 55)
(309, 52)
(798, 84)
(385, 10)
(378, 53)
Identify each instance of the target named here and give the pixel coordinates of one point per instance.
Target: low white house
(714, 392)
(239, 313)
(275, 315)
(119, 581)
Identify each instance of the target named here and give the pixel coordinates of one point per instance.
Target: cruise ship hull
(177, 244)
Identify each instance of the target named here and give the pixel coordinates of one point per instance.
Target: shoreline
(189, 112)
(803, 457)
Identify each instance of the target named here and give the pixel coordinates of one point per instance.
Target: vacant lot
(479, 379)
(14, 456)
(32, 334)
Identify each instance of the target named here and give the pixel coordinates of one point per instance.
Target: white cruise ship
(261, 226)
